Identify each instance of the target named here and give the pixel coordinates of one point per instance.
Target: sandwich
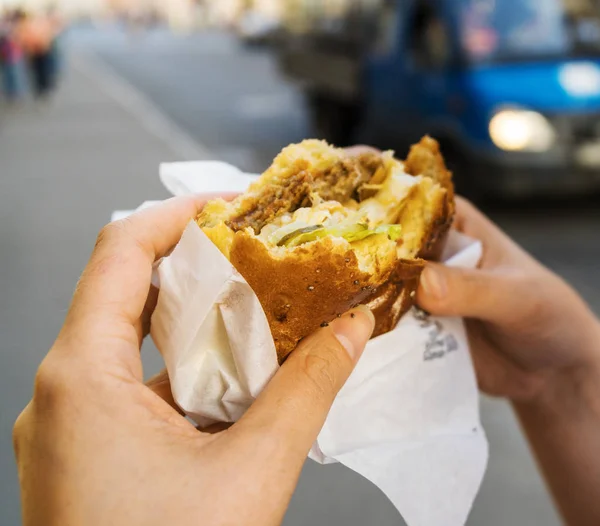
(324, 230)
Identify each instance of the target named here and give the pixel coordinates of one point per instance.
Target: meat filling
(273, 202)
(340, 183)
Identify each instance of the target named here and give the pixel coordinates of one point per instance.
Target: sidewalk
(64, 168)
(85, 142)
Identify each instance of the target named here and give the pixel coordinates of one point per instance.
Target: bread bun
(322, 231)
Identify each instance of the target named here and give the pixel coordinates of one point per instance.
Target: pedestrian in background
(36, 34)
(56, 55)
(11, 58)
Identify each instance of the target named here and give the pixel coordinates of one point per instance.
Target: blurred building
(581, 7)
(179, 14)
(228, 12)
(68, 7)
(302, 15)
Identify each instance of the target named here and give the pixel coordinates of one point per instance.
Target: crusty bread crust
(426, 159)
(308, 288)
(395, 297)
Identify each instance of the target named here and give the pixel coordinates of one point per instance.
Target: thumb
(294, 406)
(469, 293)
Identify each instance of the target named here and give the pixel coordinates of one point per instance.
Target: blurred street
(212, 87)
(67, 164)
(232, 100)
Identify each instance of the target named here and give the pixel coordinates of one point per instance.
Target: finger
(161, 386)
(471, 293)
(116, 281)
(360, 149)
(471, 221)
(498, 246)
(152, 298)
(294, 406)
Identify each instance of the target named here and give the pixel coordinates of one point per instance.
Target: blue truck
(510, 88)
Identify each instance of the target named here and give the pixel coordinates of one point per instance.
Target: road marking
(141, 108)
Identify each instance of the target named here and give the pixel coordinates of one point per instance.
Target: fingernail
(354, 329)
(433, 282)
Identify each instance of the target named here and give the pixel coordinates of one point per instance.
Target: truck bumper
(561, 171)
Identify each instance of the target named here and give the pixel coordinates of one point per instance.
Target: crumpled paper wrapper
(408, 417)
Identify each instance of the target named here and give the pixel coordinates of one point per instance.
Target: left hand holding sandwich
(97, 446)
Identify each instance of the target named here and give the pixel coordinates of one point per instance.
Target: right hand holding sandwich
(526, 325)
(534, 341)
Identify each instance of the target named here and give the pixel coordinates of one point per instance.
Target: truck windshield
(513, 30)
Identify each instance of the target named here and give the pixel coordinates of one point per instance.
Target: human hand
(527, 327)
(535, 342)
(97, 446)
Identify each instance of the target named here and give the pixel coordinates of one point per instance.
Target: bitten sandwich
(323, 230)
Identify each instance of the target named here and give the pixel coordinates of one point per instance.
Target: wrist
(562, 424)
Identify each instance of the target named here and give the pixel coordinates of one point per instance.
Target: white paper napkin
(407, 419)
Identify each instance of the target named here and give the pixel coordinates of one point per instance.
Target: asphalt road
(232, 101)
(227, 98)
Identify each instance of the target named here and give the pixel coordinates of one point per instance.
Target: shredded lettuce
(350, 233)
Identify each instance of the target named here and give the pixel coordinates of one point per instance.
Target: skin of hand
(535, 342)
(97, 446)
(527, 326)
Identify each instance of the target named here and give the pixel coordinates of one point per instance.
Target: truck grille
(577, 129)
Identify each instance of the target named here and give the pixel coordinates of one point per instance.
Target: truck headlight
(522, 130)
